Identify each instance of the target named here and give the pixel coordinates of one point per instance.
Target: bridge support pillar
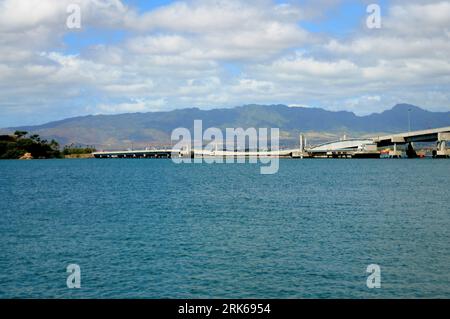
(301, 153)
(410, 151)
(395, 153)
(441, 147)
(302, 145)
(442, 151)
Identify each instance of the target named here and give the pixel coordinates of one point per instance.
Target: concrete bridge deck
(371, 145)
(366, 147)
(431, 135)
(163, 153)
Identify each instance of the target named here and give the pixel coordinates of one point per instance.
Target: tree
(35, 137)
(20, 134)
(73, 149)
(54, 144)
(16, 145)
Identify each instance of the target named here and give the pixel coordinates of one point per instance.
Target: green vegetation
(77, 150)
(17, 145)
(118, 131)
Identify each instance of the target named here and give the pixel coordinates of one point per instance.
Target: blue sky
(143, 56)
(340, 21)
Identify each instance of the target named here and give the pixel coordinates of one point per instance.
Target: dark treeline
(20, 143)
(73, 149)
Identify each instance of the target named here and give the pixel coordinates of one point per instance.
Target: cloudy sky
(139, 56)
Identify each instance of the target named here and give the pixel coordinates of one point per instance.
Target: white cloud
(219, 29)
(215, 16)
(218, 53)
(254, 86)
(300, 67)
(430, 17)
(167, 44)
(134, 106)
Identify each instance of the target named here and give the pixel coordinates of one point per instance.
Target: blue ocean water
(154, 229)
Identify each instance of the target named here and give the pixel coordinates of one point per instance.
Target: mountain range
(154, 128)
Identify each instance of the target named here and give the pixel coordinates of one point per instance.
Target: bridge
(371, 145)
(431, 135)
(354, 148)
(341, 145)
(166, 153)
(162, 153)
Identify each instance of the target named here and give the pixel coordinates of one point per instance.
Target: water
(153, 229)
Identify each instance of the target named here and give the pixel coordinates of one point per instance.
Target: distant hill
(142, 129)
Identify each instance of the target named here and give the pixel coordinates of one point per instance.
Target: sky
(144, 56)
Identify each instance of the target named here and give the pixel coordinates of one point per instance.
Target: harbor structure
(344, 148)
